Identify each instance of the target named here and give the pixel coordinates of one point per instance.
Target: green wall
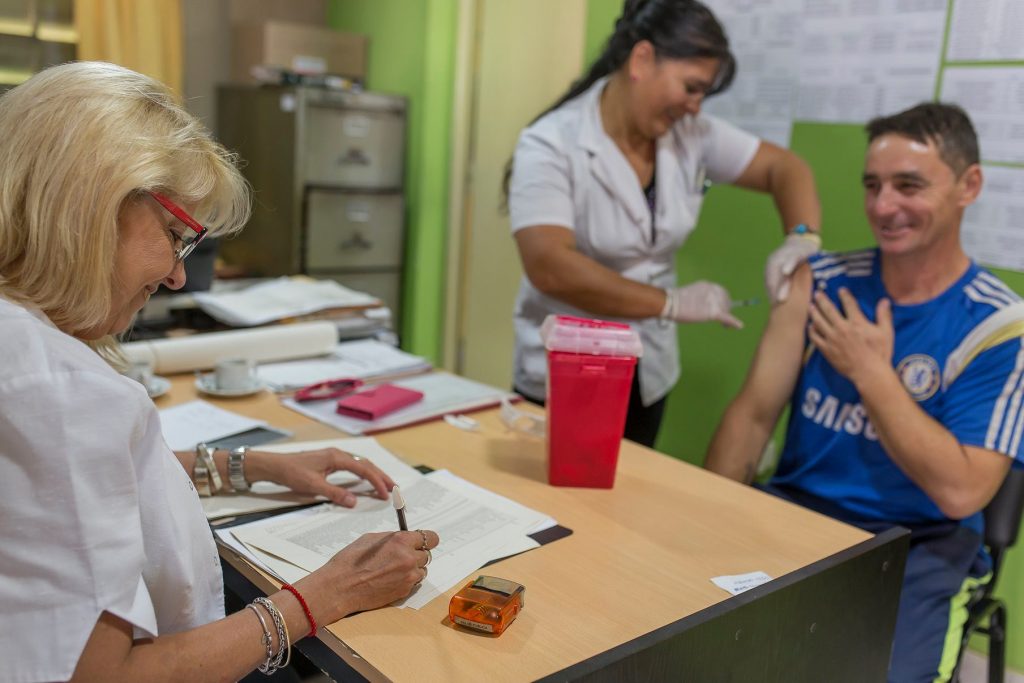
(412, 53)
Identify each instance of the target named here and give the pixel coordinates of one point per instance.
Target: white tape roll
(201, 351)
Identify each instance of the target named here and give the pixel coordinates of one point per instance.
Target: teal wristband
(803, 229)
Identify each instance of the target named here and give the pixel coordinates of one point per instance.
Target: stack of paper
(442, 394)
(281, 298)
(475, 526)
(363, 359)
(185, 425)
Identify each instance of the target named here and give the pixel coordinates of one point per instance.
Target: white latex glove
(699, 302)
(795, 249)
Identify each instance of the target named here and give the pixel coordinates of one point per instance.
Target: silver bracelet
(236, 468)
(205, 453)
(666, 310)
(282, 638)
(267, 639)
(202, 478)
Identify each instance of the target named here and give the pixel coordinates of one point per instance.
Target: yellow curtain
(144, 35)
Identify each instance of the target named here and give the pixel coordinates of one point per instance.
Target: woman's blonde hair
(77, 142)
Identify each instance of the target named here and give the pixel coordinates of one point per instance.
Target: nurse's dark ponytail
(678, 29)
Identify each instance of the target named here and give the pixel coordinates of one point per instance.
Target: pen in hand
(399, 503)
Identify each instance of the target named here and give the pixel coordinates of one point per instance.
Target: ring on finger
(423, 535)
(430, 557)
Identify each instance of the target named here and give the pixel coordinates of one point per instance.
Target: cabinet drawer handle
(355, 157)
(357, 241)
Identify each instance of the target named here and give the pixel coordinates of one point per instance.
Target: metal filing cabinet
(327, 169)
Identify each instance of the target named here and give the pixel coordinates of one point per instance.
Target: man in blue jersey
(902, 366)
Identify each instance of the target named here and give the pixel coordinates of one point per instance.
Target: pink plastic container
(590, 373)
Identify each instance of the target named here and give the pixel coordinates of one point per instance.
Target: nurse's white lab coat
(568, 172)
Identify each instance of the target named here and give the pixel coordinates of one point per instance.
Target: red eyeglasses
(193, 234)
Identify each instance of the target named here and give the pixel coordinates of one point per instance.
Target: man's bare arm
(749, 420)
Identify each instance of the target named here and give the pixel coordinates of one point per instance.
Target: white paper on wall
(994, 99)
(993, 228)
(864, 58)
(763, 35)
(988, 30)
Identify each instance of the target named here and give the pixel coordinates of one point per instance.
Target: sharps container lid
(595, 337)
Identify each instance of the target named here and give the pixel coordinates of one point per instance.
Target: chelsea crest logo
(920, 375)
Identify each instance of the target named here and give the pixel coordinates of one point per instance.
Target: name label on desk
(740, 583)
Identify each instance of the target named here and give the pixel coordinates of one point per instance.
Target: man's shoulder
(979, 301)
(985, 294)
(992, 315)
(834, 268)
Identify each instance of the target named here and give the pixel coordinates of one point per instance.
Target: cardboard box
(295, 11)
(302, 48)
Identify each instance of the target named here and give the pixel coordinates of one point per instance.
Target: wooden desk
(628, 595)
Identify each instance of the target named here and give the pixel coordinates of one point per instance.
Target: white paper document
(993, 227)
(994, 99)
(362, 359)
(861, 59)
(281, 298)
(765, 39)
(740, 583)
(442, 394)
(986, 30)
(185, 425)
(264, 495)
(475, 526)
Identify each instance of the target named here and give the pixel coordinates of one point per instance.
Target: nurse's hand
(700, 302)
(782, 263)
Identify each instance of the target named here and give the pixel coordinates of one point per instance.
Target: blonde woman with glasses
(108, 570)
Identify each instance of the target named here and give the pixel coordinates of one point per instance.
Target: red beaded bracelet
(305, 607)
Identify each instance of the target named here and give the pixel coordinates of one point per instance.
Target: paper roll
(200, 351)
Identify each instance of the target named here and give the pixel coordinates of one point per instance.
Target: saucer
(158, 386)
(205, 384)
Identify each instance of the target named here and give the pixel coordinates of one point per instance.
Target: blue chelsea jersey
(959, 355)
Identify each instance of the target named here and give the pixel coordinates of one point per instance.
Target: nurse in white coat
(607, 184)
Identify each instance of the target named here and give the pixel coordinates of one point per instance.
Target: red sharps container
(590, 373)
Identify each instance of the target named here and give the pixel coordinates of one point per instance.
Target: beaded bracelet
(305, 607)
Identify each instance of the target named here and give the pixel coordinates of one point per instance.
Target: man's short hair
(946, 125)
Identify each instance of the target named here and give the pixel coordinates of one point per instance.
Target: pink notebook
(377, 402)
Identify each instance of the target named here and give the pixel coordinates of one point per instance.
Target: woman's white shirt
(96, 512)
(568, 172)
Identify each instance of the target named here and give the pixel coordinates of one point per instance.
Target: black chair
(1002, 522)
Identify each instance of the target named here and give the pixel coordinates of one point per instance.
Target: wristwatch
(205, 454)
(236, 468)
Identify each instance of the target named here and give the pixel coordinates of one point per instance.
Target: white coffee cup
(142, 372)
(234, 374)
